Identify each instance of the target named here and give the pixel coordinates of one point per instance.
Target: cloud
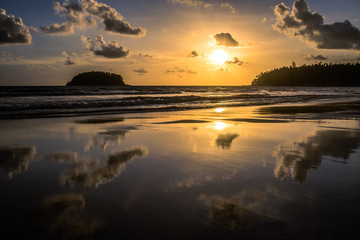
(355, 57)
(56, 28)
(33, 29)
(141, 71)
(235, 60)
(88, 13)
(225, 39)
(144, 55)
(310, 27)
(12, 30)
(194, 54)
(203, 4)
(177, 69)
(192, 3)
(100, 48)
(315, 57)
(228, 6)
(222, 69)
(69, 60)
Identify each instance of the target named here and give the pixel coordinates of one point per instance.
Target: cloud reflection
(70, 157)
(92, 173)
(250, 209)
(297, 158)
(224, 140)
(63, 215)
(111, 136)
(15, 159)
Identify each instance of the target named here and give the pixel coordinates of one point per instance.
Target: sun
(219, 57)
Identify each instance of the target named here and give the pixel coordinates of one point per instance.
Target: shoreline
(311, 107)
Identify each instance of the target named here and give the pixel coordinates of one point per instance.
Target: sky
(172, 42)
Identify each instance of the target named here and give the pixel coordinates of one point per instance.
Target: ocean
(30, 102)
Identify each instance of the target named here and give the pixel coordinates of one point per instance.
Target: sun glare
(220, 125)
(220, 110)
(219, 57)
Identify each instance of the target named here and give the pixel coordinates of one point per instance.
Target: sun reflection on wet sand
(220, 110)
(220, 126)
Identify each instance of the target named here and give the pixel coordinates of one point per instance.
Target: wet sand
(271, 172)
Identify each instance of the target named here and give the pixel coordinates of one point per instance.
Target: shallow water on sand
(208, 174)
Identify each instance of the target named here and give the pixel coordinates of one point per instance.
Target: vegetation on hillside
(97, 79)
(321, 74)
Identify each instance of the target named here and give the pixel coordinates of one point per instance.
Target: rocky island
(97, 79)
(316, 75)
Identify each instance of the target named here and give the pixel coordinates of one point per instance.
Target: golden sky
(172, 42)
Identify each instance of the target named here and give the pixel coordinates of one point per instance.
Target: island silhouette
(97, 78)
(316, 75)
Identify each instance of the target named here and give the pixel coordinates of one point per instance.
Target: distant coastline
(97, 79)
(316, 75)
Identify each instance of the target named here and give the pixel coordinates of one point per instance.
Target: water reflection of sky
(215, 172)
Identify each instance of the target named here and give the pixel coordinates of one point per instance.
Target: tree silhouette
(321, 74)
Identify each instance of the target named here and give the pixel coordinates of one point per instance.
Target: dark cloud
(310, 27)
(145, 55)
(177, 69)
(236, 61)
(192, 3)
(69, 60)
(64, 28)
(87, 13)
(141, 71)
(204, 4)
(225, 39)
(316, 57)
(12, 30)
(100, 48)
(194, 54)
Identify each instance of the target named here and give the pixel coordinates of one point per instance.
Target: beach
(180, 120)
(252, 172)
